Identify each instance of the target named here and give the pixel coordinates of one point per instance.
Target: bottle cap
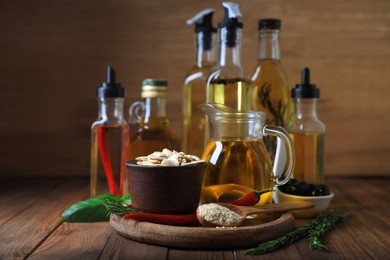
(230, 22)
(270, 24)
(305, 89)
(110, 88)
(203, 23)
(154, 88)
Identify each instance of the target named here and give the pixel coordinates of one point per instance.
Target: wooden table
(31, 226)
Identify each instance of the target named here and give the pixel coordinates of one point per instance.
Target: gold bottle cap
(154, 88)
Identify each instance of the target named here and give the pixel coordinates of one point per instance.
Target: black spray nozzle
(270, 24)
(203, 24)
(110, 88)
(207, 28)
(231, 23)
(305, 89)
(206, 25)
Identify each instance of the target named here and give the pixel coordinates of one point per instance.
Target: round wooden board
(260, 229)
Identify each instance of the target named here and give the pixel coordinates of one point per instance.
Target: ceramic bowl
(165, 189)
(320, 203)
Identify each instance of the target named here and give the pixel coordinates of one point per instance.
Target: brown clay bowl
(165, 189)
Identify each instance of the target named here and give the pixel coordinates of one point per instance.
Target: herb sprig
(278, 112)
(115, 207)
(314, 229)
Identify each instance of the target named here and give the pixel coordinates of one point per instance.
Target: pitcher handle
(136, 111)
(284, 137)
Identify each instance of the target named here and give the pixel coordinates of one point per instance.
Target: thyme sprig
(314, 229)
(115, 207)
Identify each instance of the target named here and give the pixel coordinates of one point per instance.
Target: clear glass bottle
(109, 141)
(270, 87)
(229, 84)
(151, 130)
(194, 91)
(307, 132)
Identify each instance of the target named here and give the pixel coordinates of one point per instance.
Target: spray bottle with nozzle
(229, 84)
(194, 89)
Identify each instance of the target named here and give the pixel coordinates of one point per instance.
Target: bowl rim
(132, 163)
(331, 195)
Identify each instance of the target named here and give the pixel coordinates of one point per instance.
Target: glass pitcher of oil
(237, 159)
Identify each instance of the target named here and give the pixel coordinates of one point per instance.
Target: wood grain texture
(37, 232)
(250, 234)
(54, 54)
(119, 248)
(13, 201)
(86, 239)
(21, 234)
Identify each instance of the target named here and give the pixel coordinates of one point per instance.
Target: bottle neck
(230, 54)
(154, 110)
(111, 109)
(269, 45)
(305, 108)
(205, 49)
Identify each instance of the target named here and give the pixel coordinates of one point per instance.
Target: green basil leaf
(91, 210)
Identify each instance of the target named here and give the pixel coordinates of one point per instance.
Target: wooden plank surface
(23, 233)
(86, 240)
(17, 201)
(54, 54)
(36, 231)
(119, 248)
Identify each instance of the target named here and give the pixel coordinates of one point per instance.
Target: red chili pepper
(106, 161)
(165, 219)
(250, 199)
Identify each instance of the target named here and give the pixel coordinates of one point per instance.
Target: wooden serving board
(254, 231)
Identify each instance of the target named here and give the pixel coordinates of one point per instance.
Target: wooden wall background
(53, 55)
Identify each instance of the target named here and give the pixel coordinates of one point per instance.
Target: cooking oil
(236, 167)
(109, 140)
(229, 85)
(152, 136)
(234, 93)
(194, 90)
(270, 87)
(112, 140)
(307, 132)
(150, 129)
(309, 154)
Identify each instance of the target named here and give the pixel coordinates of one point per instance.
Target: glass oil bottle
(109, 142)
(270, 87)
(307, 132)
(228, 84)
(194, 91)
(152, 131)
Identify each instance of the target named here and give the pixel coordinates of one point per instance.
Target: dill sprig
(314, 229)
(115, 207)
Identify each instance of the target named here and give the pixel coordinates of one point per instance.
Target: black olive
(304, 189)
(323, 190)
(291, 189)
(312, 190)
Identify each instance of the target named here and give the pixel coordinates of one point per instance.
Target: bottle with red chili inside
(109, 142)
